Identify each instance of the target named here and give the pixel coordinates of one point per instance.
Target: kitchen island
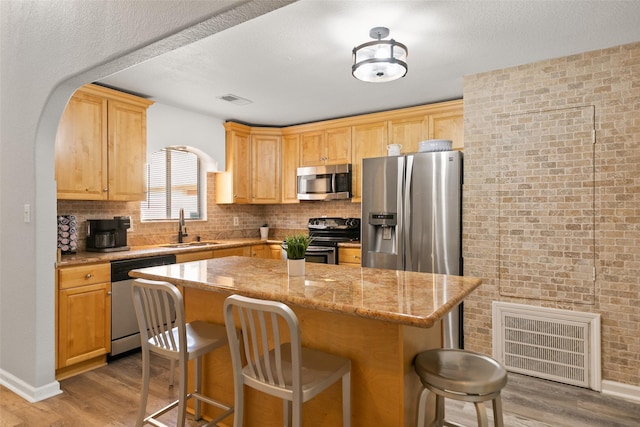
(380, 319)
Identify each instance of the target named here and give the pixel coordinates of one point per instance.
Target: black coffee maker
(108, 235)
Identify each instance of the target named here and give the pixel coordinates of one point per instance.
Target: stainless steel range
(326, 234)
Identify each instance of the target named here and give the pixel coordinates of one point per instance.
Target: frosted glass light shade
(379, 61)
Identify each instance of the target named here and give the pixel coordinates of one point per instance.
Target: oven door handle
(317, 249)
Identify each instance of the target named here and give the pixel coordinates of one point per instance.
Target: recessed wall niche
(546, 204)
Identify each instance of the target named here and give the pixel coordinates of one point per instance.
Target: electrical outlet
(236, 221)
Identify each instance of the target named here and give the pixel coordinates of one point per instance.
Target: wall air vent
(235, 99)
(558, 345)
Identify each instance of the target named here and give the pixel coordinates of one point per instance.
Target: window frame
(169, 186)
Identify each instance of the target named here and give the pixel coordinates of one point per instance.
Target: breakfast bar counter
(380, 319)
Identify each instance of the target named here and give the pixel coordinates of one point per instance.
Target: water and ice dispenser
(383, 227)
(382, 241)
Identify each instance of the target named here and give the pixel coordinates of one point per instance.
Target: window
(173, 183)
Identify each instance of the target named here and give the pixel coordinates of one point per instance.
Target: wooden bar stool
(460, 375)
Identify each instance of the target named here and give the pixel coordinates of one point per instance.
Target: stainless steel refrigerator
(411, 219)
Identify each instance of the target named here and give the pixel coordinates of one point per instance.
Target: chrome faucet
(182, 228)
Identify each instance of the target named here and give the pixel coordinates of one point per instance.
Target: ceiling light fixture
(379, 60)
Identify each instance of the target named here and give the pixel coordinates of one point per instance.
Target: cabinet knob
(88, 276)
(105, 189)
(109, 293)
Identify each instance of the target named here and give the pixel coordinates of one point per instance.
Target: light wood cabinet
(252, 166)
(83, 318)
(349, 256)
(448, 125)
(260, 251)
(275, 250)
(239, 251)
(408, 132)
(265, 166)
(194, 256)
(410, 126)
(326, 147)
(262, 162)
(290, 162)
(369, 140)
(100, 147)
(232, 186)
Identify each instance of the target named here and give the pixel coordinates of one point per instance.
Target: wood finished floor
(109, 396)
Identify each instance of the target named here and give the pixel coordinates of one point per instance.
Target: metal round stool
(460, 375)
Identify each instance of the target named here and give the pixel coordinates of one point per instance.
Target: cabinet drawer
(239, 251)
(349, 256)
(84, 275)
(194, 256)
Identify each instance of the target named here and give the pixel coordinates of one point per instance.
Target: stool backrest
(159, 307)
(269, 360)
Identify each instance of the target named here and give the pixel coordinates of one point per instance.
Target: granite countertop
(84, 257)
(152, 250)
(408, 298)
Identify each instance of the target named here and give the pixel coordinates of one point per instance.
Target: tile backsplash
(282, 219)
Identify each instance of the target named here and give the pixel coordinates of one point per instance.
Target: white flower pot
(264, 233)
(296, 267)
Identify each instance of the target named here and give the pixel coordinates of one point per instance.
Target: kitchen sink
(192, 244)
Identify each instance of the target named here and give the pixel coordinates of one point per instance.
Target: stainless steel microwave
(328, 182)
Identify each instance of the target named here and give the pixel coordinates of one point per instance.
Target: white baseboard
(624, 391)
(26, 391)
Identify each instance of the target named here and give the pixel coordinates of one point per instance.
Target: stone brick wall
(550, 218)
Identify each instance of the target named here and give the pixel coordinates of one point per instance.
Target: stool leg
(172, 371)
(497, 412)
(422, 408)
(238, 402)
(439, 421)
(482, 414)
(346, 400)
(198, 387)
(145, 388)
(286, 413)
(182, 404)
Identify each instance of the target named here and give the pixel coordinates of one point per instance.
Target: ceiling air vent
(234, 99)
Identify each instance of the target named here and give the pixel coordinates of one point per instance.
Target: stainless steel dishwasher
(125, 334)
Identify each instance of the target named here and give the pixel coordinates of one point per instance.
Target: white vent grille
(558, 345)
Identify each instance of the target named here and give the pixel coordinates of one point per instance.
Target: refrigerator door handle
(406, 215)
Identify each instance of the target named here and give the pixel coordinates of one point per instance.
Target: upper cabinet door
(127, 151)
(80, 149)
(408, 132)
(369, 140)
(338, 145)
(265, 170)
(312, 149)
(232, 186)
(448, 125)
(290, 161)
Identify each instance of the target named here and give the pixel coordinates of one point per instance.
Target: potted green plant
(296, 246)
(264, 231)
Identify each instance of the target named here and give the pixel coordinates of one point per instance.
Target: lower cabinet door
(84, 326)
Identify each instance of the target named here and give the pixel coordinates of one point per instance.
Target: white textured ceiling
(295, 63)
